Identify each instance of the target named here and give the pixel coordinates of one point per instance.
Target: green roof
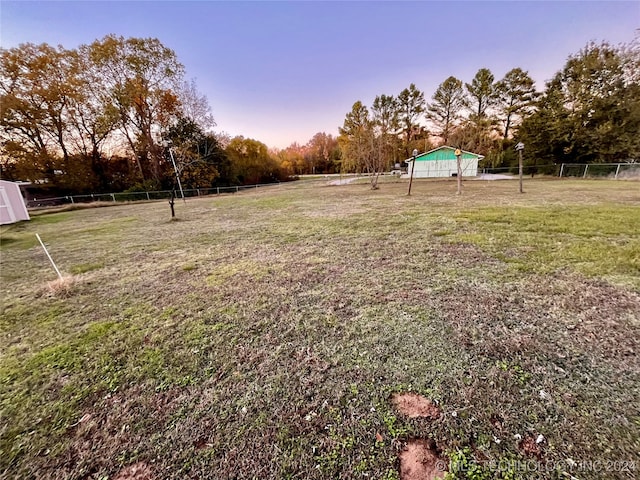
(446, 153)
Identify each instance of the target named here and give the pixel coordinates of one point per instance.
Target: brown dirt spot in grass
(420, 461)
(413, 405)
(137, 471)
(530, 448)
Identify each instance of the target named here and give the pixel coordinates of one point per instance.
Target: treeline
(114, 115)
(588, 112)
(110, 116)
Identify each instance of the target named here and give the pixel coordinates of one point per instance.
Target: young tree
(446, 107)
(515, 96)
(199, 158)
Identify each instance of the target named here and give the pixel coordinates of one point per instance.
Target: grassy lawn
(262, 334)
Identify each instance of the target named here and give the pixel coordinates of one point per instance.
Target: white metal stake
(49, 256)
(177, 175)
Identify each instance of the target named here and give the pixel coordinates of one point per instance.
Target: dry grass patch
(61, 287)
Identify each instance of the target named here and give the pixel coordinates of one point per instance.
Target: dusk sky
(281, 71)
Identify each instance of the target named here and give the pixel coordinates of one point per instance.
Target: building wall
(444, 168)
(12, 207)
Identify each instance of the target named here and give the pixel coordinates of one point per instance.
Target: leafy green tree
(321, 154)
(590, 110)
(200, 160)
(354, 137)
(384, 115)
(251, 163)
(291, 160)
(411, 106)
(445, 109)
(516, 94)
(481, 94)
(364, 146)
(476, 134)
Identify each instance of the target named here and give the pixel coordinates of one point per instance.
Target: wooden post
(172, 202)
(413, 167)
(520, 168)
(519, 148)
(459, 173)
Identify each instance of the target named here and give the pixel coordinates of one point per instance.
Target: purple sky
(281, 71)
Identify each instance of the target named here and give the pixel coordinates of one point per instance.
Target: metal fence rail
(608, 170)
(140, 196)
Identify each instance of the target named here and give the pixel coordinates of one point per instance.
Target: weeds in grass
(61, 287)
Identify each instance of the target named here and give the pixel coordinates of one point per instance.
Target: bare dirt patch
(137, 471)
(413, 405)
(530, 448)
(420, 461)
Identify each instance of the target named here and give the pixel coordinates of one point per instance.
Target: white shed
(12, 206)
(442, 162)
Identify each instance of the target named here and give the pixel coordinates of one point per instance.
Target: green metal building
(442, 162)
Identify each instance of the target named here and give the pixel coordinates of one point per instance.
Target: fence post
(617, 171)
(147, 195)
(71, 197)
(113, 197)
(198, 191)
(586, 167)
(561, 170)
(218, 190)
(237, 189)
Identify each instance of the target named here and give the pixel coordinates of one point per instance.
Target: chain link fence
(600, 170)
(139, 196)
